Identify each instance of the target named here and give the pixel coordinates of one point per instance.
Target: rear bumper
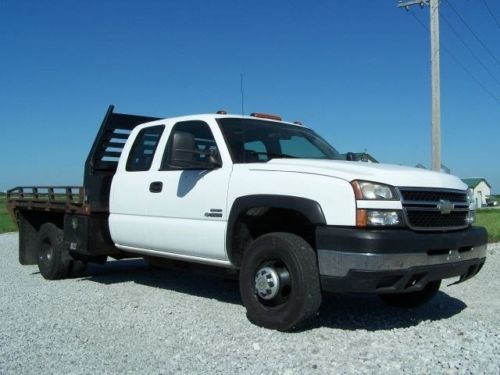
(388, 261)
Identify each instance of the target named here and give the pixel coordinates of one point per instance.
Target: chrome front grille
(433, 195)
(434, 209)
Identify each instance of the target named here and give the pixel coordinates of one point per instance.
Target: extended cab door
(187, 213)
(130, 188)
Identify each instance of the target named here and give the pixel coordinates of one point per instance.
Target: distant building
(362, 156)
(481, 188)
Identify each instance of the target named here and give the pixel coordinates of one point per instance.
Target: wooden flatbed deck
(63, 199)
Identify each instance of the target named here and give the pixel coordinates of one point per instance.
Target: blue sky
(356, 71)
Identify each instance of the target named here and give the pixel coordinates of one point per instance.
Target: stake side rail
(69, 199)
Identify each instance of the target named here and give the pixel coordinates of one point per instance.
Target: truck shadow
(209, 282)
(368, 312)
(338, 311)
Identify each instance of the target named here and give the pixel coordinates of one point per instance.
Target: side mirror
(182, 147)
(350, 156)
(214, 159)
(184, 151)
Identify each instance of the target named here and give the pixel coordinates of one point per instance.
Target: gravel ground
(124, 318)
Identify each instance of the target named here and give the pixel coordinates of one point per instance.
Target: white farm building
(481, 188)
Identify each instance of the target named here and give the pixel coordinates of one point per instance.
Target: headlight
(471, 215)
(373, 191)
(470, 199)
(377, 218)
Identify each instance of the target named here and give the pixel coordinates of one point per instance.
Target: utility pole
(435, 76)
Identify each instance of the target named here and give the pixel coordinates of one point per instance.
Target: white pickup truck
(267, 198)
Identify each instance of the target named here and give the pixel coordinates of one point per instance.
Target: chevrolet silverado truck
(269, 199)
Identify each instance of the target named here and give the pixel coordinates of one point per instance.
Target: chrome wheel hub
(267, 283)
(46, 253)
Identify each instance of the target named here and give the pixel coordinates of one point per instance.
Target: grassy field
(6, 224)
(489, 218)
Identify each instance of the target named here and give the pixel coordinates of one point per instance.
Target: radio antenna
(242, 96)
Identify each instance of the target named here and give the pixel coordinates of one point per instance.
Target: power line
(491, 13)
(457, 61)
(457, 34)
(473, 33)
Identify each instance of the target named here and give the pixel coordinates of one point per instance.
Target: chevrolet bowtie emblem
(445, 206)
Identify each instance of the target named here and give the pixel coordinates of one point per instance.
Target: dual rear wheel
(54, 261)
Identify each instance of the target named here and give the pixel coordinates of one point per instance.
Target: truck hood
(394, 175)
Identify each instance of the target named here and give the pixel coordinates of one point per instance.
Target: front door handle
(156, 187)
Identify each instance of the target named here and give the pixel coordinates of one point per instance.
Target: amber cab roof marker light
(266, 115)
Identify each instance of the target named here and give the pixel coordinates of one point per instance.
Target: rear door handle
(156, 187)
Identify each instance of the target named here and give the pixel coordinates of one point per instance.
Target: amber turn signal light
(361, 218)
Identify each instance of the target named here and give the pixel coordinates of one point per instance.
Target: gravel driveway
(124, 318)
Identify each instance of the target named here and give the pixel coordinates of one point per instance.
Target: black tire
(299, 294)
(52, 262)
(77, 268)
(412, 299)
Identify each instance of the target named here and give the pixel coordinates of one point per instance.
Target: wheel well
(258, 221)
(37, 218)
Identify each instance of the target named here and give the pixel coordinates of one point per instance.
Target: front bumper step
(339, 263)
(389, 261)
(399, 281)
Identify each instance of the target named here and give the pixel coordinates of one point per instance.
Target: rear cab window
(143, 150)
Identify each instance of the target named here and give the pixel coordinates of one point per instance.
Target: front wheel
(412, 299)
(279, 281)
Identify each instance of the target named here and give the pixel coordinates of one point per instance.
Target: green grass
(490, 219)
(6, 223)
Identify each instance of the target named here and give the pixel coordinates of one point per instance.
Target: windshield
(254, 141)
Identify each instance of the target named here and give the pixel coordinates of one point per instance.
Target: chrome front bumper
(396, 261)
(339, 263)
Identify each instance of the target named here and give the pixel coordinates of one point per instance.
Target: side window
(203, 140)
(143, 150)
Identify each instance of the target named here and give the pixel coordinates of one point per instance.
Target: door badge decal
(214, 212)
